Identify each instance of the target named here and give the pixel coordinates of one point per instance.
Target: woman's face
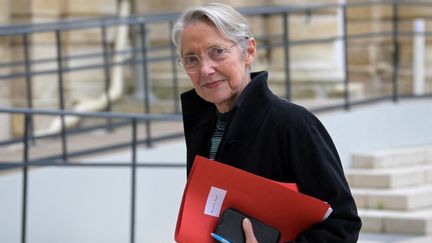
(216, 78)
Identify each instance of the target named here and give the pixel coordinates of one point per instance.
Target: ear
(250, 51)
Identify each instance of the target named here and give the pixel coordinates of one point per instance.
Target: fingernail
(247, 221)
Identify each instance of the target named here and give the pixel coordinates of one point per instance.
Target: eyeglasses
(190, 63)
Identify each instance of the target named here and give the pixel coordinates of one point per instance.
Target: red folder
(213, 186)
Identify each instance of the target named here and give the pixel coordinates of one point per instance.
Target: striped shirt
(217, 134)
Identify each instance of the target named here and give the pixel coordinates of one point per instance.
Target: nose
(207, 66)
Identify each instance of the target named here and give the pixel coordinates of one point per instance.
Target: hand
(248, 230)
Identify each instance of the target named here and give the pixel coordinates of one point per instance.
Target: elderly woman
(231, 116)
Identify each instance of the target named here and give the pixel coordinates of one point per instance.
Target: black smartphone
(230, 228)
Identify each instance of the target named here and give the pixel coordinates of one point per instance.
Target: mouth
(213, 84)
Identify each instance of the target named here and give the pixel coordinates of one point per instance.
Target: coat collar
(197, 112)
(255, 94)
(199, 115)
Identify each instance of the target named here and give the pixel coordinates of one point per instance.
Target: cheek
(194, 78)
(236, 74)
(236, 67)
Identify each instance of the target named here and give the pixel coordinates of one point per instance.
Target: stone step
(392, 158)
(391, 177)
(407, 198)
(396, 222)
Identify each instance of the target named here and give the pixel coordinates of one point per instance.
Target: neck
(227, 106)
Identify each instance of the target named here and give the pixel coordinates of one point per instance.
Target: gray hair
(226, 19)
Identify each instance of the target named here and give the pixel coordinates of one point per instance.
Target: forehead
(201, 35)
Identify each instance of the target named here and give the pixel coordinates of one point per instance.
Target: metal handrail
(72, 24)
(137, 117)
(133, 119)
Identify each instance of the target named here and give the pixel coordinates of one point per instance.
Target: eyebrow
(208, 48)
(188, 53)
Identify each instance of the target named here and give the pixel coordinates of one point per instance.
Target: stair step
(396, 222)
(391, 158)
(407, 198)
(390, 177)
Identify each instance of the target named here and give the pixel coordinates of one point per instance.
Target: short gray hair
(226, 19)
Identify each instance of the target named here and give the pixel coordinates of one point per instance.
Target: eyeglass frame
(226, 49)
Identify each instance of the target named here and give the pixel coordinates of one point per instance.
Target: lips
(213, 84)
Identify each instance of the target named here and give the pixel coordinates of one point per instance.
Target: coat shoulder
(283, 112)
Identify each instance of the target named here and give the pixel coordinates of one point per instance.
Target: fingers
(248, 230)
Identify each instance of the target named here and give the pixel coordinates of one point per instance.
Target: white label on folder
(214, 201)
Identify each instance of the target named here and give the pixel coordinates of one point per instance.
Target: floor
(86, 204)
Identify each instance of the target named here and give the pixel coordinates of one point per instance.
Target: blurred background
(91, 140)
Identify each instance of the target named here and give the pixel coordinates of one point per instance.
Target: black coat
(273, 138)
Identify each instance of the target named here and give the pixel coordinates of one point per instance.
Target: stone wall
(318, 64)
(369, 59)
(304, 58)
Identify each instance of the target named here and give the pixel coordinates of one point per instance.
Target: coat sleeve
(317, 169)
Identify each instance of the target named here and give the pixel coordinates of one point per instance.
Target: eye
(217, 53)
(190, 60)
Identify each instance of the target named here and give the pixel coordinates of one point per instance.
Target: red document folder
(213, 186)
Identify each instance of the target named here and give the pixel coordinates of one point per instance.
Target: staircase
(393, 190)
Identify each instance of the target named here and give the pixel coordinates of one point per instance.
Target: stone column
(41, 46)
(5, 58)
(4, 11)
(90, 83)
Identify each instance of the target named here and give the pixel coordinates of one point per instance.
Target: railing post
(146, 90)
(345, 46)
(395, 57)
(27, 121)
(107, 75)
(61, 93)
(175, 74)
(287, 56)
(28, 81)
(133, 180)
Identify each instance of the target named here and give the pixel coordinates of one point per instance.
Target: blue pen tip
(219, 238)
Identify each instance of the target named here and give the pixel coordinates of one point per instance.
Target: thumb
(248, 230)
